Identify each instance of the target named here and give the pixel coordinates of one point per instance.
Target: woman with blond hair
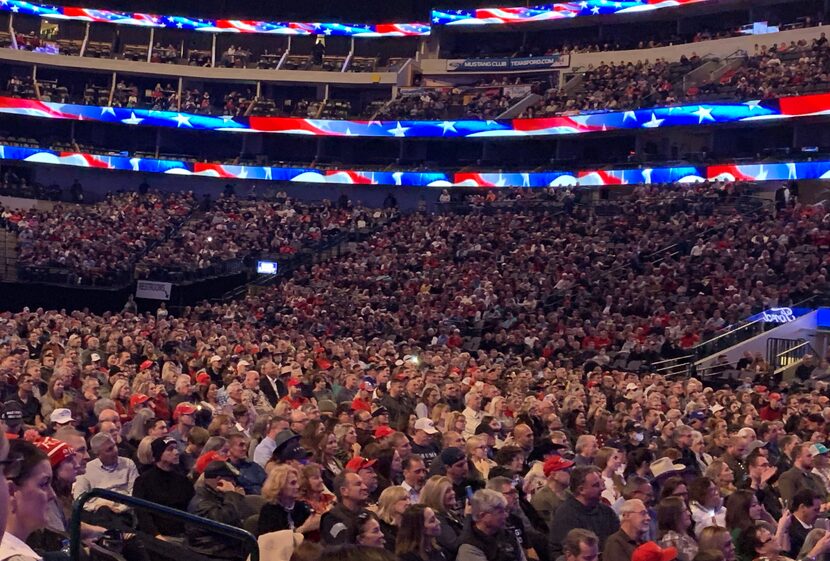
(497, 409)
(438, 495)
(609, 461)
(723, 476)
(120, 395)
(347, 446)
(477, 452)
(392, 503)
(439, 413)
(455, 421)
(282, 509)
(57, 396)
(313, 489)
(220, 425)
(717, 538)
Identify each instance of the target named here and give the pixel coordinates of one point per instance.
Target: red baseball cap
(358, 463)
(145, 365)
(203, 378)
(183, 408)
(383, 431)
(650, 551)
(293, 382)
(206, 458)
(555, 462)
(138, 399)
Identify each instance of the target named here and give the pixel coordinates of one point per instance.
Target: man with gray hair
(634, 525)
(485, 538)
(517, 522)
(107, 471)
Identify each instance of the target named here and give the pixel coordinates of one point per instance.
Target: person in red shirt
(363, 400)
(772, 411)
(294, 397)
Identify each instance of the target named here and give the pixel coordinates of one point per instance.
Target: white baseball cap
(61, 416)
(425, 424)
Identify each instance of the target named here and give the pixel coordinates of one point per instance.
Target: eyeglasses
(11, 467)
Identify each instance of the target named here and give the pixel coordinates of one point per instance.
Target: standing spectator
(553, 494)
(583, 509)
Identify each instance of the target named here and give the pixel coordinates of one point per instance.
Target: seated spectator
(107, 471)
(283, 509)
(416, 540)
(339, 525)
(251, 475)
(487, 533)
(164, 485)
(220, 499)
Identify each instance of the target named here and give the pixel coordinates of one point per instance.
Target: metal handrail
(249, 542)
(795, 348)
(675, 359)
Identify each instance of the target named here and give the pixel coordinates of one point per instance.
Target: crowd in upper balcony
(99, 243)
(235, 229)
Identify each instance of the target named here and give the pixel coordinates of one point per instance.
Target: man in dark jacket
(163, 484)
(486, 536)
(338, 526)
(220, 499)
(583, 509)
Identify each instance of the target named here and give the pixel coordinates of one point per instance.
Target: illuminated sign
(585, 178)
(780, 315)
(692, 115)
(550, 12)
(214, 25)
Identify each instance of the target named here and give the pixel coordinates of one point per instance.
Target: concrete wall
(174, 71)
(26, 204)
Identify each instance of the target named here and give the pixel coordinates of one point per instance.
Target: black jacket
(168, 488)
(338, 526)
(268, 390)
(273, 518)
(571, 514)
(224, 507)
(500, 547)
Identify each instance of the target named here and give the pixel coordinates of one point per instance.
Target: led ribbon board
(659, 117)
(683, 174)
(550, 12)
(215, 25)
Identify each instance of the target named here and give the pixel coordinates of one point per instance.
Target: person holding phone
(220, 499)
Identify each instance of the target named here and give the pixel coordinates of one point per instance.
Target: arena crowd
(469, 385)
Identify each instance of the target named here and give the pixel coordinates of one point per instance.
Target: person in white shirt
(107, 471)
(24, 498)
(706, 504)
(472, 412)
(265, 449)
